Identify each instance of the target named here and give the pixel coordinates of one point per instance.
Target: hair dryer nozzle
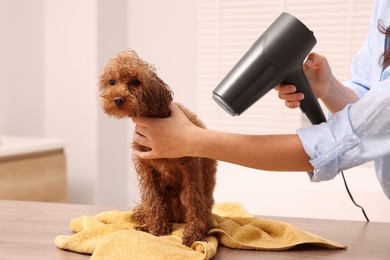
(276, 57)
(224, 105)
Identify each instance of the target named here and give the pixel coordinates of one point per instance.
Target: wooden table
(28, 229)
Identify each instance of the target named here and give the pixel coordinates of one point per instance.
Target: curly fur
(172, 190)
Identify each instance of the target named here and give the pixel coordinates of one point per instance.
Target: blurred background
(52, 51)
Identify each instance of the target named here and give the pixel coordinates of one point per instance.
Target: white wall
(21, 67)
(79, 38)
(291, 193)
(164, 33)
(70, 89)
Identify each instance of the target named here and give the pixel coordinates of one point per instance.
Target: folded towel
(111, 235)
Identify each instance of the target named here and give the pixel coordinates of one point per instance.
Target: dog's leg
(155, 214)
(139, 215)
(209, 170)
(197, 202)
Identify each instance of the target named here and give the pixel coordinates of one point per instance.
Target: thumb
(144, 155)
(310, 60)
(314, 59)
(311, 64)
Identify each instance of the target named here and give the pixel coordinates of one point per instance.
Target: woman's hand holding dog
(171, 137)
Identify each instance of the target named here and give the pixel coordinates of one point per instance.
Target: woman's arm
(176, 136)
(264, 152)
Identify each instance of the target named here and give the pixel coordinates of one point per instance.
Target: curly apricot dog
(172, 190)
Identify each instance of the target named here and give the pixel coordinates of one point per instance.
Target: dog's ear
(166, 91)
(158, 97)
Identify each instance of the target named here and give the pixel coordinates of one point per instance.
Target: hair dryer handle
(309, 105)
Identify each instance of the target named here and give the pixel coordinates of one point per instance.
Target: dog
(172, 190)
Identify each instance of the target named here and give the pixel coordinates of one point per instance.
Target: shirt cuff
(326, 142)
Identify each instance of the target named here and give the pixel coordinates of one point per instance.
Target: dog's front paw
(142, 228)
(188, 241)
(191, 236)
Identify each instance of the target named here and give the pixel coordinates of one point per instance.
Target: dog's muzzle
(119, 101)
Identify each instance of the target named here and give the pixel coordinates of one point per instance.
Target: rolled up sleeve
(357, 134)
(325, 143)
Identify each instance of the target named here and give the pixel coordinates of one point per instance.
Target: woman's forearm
(265, 152)
(338, 96)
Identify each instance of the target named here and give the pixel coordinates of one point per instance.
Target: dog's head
(130, 87)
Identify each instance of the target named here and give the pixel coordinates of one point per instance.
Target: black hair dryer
(276, 57)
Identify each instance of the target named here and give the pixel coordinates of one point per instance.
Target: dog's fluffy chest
(168, 171)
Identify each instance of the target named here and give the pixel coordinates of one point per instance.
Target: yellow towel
(110, 235)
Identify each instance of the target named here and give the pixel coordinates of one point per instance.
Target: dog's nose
(119, 101)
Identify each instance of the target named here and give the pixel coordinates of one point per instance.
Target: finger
(309, 63)
(141, 130)
(145, 155)
(314, 59)
(142, 121)
(291, 97)
(293, 104)
(286, 88)
(140, 139)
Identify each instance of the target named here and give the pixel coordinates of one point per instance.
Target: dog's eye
(135, 82)
(111, 82)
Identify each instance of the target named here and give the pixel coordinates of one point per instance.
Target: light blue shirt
(361, 131)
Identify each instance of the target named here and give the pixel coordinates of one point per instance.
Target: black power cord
(350, 195)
